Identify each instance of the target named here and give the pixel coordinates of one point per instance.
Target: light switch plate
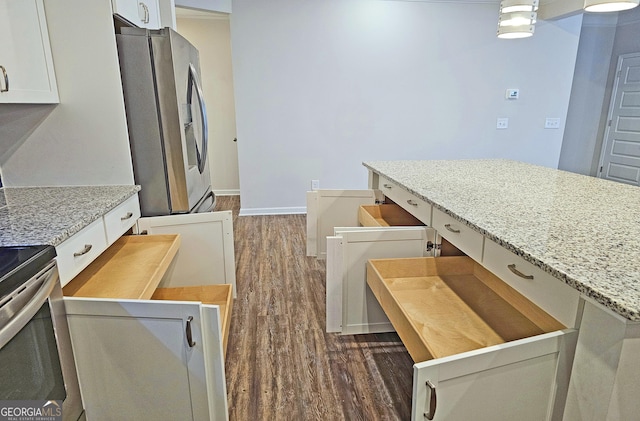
(502, 123)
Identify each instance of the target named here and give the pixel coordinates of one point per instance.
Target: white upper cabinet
(142, 13)
(26, 64)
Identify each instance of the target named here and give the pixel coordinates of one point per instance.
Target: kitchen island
(583, 231)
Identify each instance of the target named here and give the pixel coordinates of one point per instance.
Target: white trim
(228, 192)
(272, 211)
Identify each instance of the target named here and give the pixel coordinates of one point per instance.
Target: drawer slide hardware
(189, 334)
(513, 269)
(448, 227)
(432, 401)
(87, 248)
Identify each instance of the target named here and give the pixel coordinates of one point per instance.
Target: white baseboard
(232, 192)
(272, 211)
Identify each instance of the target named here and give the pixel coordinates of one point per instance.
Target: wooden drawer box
(387, 215)
(473, 338)
(126, 332)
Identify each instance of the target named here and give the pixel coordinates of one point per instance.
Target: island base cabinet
(523, 380)
(149, 359)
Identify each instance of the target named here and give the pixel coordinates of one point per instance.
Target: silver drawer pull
(432, 401)
(127, 216)
(87, 248)
(388, 186)
(448, 227)
(189, 336)
(513, 269)
(5, 88)
(412, 203)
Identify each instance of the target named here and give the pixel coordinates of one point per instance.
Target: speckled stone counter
(583, 230)
(50, 215)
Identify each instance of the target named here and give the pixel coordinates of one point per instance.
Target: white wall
(210, 34)
(323, 85)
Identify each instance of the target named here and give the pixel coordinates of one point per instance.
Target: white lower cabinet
(206, 255)
(482, 351)
(145, 352)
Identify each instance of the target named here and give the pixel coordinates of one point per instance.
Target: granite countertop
(583, 230)
(50, 215)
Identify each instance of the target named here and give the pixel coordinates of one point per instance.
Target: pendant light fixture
(517, 18)
(609, 5)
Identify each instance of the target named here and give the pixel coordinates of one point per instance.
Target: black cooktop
(19, 263)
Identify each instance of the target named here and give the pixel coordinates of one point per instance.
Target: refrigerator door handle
(193, 83)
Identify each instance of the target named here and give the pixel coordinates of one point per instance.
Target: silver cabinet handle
(432, 401)
(513, 269)
(87, 248)
(127, 216)
(388, 186)
(145, 19)
(412, 203)
(448, 227)
(5, 88)
(188, 332)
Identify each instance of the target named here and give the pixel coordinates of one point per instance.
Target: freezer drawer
(474, 339)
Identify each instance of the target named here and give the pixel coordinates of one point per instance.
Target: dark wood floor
(281, 364)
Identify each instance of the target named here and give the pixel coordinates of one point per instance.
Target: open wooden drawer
(157, 353)
(482, 350)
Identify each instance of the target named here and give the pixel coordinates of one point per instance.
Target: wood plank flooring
(281, 364)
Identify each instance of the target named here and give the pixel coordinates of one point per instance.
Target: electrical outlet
(315, 184)
(552, 123)
(502, 123)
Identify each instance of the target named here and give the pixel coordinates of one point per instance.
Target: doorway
(210, 33)
(620, 155)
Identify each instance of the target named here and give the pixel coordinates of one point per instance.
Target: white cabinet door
(142, 13)
(519, 380)
(206, 254)
(135, 361)
(26, 64)
(327, 209)
(351, 306)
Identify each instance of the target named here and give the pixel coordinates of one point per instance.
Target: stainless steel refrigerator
(167, 121)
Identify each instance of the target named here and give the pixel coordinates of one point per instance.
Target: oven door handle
(24, 316)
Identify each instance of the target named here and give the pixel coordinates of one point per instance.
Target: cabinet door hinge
(432, 246)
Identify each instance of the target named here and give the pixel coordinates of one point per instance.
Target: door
(206, 255)
(145, 359)
(523, 380)
(351, 307)
(620, 156)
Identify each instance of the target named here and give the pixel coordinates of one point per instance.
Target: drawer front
(458, 234)
(81, 249)
(121, 218)
(551, 294)
(417, 207)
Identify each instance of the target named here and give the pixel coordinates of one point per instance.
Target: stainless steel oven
(36, 359)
